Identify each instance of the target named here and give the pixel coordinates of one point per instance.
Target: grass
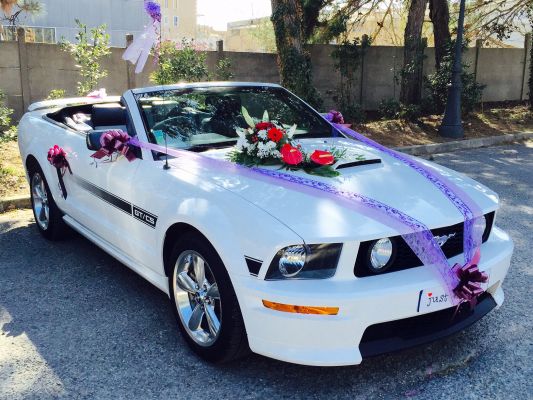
(12, 175)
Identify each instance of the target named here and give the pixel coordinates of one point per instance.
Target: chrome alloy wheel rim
(197, 298)
(40, 201)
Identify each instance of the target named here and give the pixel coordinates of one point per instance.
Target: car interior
(94, 119)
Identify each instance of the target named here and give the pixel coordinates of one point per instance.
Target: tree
(180, 63)
(14, 10)
(411, 91)
(439, 14)
(497, 18)
(293, 58)
(89, 50)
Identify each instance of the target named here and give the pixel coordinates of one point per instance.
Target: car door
(97, 188)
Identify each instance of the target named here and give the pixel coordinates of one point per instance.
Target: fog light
(292, 260)
(380, 255)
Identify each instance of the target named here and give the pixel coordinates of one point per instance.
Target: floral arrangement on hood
(268, 142)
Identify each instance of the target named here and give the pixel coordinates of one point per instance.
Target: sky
(217, 13)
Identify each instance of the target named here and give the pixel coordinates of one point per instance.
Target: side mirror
(93, 140)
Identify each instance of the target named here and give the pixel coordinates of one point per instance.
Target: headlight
(315, 261)
(381, 254)
(292, 260)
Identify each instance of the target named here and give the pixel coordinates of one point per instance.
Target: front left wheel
(48, 217)
(204, 301)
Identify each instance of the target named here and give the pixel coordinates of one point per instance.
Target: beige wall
(50, 68)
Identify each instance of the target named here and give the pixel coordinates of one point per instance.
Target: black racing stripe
(110, 198)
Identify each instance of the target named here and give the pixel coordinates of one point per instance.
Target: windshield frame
(138, 93)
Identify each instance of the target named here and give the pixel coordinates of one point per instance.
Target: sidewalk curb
(11, 203)
(429, 149)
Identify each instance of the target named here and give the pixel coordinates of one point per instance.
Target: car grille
(405, 258)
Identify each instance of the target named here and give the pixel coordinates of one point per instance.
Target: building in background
(121, 17)
(59, 19)
(207, 37)
(178, 19)
(255, 35)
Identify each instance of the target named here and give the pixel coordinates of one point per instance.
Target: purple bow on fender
(57, 157)
(114, 141)
(469, 287)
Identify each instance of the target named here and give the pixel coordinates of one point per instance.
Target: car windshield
(206, 117)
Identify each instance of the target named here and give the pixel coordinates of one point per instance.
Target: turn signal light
(301, 309)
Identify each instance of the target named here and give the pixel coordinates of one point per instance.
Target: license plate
(430, 300)
(436, 299)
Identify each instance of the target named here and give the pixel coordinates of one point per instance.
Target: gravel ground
(75, 323)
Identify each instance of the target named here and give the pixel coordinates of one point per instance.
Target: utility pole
(451, 125)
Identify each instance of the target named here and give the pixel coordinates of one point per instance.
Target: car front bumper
(365, 305)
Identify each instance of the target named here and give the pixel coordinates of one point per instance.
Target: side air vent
(253, 264)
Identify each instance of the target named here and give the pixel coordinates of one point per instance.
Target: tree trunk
(293, 59)
(411, 88)
(440, 17)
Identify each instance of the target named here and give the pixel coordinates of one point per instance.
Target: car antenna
(166, 166)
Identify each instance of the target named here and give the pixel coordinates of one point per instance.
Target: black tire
(232, 342)
(56, 229)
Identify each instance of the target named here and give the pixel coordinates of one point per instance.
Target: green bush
(88, 52)
(5, 114)
(56, 94)
(223, 70)
(437, 85)
(393, 109)
(347, 58)
(180, 63)
(389, 108)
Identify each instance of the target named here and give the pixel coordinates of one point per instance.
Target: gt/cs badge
(144, 216)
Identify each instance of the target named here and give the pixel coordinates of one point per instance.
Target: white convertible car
(248, 264)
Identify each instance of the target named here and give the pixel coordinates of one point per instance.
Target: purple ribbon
(472, 214)
(417, 235)
(114, 141)
(57, 157)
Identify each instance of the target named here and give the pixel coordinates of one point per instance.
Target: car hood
(316, 218)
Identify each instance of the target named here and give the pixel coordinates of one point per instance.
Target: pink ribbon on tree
(114, 141)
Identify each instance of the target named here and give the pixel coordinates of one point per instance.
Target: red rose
(322, 157)
(275, 134)
(264, 125)
(291, 155)
(254, 138)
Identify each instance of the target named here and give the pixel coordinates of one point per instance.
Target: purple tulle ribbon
(472, 213)
(114, 141)
(139, 50)
(153, 9)
(417, 235)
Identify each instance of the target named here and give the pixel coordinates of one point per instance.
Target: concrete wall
(47, 67)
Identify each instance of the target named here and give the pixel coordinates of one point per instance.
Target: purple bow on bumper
(469, 287)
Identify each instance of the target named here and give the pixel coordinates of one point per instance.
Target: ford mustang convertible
(268, 225)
